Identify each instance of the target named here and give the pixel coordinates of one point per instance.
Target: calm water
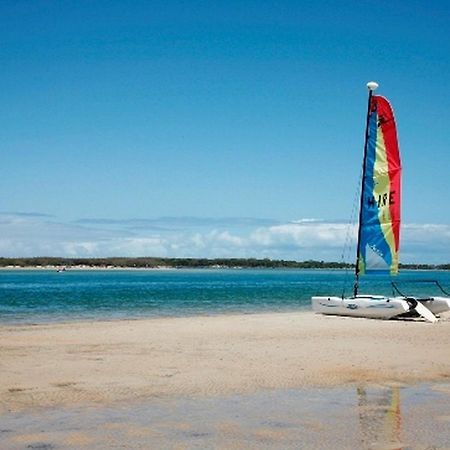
(48, 296)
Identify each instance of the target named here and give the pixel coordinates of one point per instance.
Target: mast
(371, 85)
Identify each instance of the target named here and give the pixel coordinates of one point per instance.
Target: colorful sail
(380, 215)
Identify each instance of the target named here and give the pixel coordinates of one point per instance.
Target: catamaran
(379, 226)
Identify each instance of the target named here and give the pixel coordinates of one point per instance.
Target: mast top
(372, 85)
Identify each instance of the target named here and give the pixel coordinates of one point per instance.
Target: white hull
(436, 305)
(370, 306)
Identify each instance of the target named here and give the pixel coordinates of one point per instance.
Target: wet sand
(370, 417)
(103, 363)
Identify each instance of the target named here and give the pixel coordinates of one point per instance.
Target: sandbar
(104, 362)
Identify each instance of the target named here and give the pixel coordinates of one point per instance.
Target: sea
(48, 296)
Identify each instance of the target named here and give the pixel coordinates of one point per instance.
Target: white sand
(105, 362)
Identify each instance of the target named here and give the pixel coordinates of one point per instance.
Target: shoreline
(170, 268)
(82, 268)
(105, 362)
(94, 318)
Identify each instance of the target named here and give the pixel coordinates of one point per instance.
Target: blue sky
(208, 128)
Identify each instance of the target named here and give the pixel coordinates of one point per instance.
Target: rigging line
(349, 238)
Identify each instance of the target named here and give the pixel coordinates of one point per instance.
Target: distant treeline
(150, 262)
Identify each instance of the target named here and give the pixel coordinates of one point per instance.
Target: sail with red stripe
(380, 215)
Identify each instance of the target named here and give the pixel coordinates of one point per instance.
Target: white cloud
(426, 242)
(301, 234)
(35, 235)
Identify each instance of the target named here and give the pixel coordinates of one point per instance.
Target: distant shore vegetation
(188, 263)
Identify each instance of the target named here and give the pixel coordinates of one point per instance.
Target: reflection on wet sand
(380, 417)
(367, 418)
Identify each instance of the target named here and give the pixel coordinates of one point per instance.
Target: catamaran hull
(436, 305)
(373, 307)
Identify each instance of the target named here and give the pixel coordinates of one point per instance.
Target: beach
(271, 380)
(106, 362)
